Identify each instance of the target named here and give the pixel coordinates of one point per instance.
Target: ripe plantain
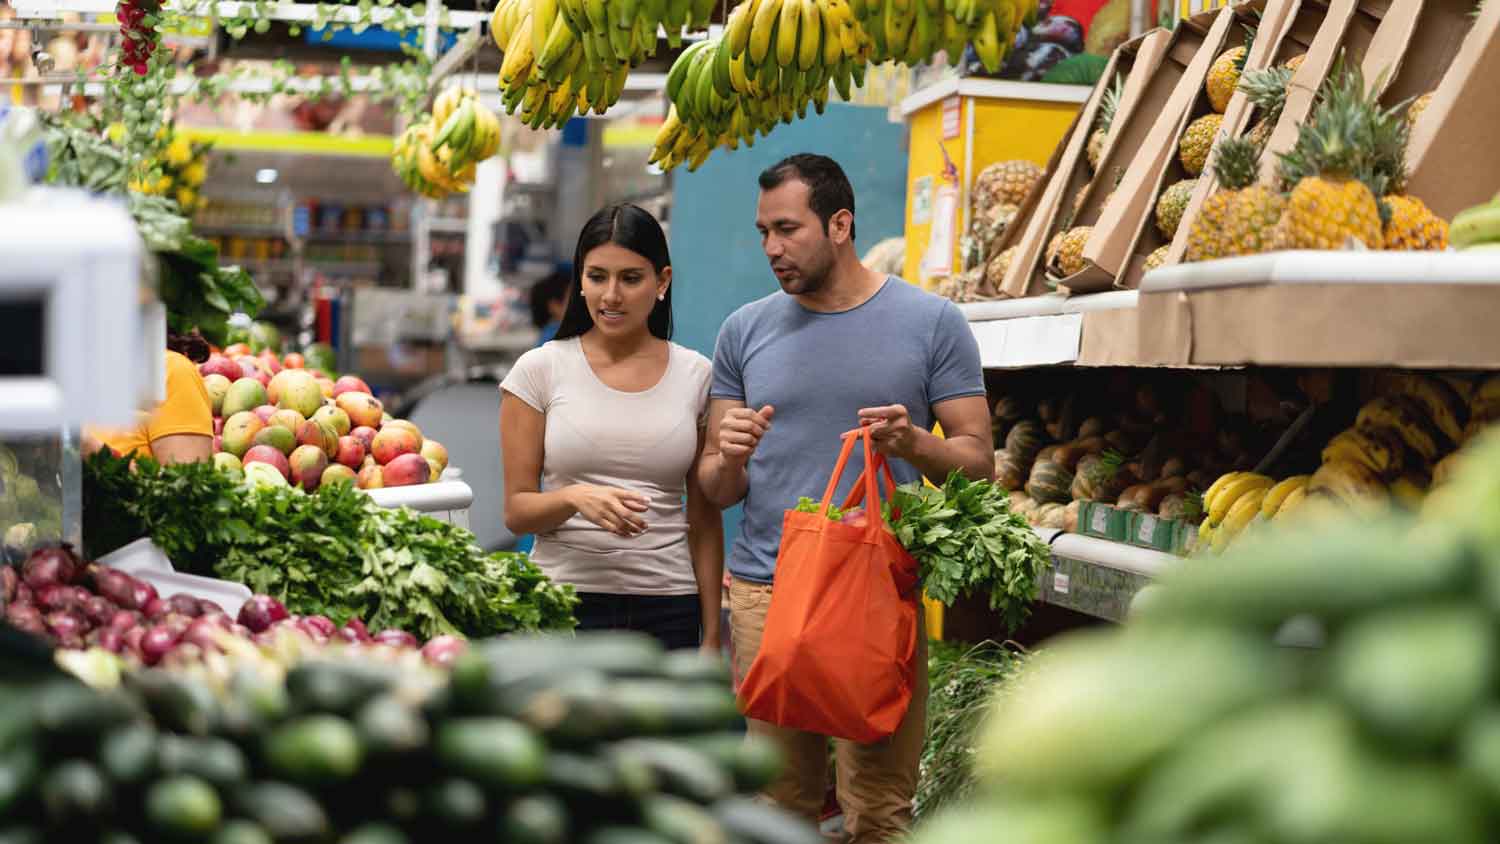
(1379, 449)
(1409, 420)
(1349, 482)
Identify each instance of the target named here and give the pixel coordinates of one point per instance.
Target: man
(840, 346)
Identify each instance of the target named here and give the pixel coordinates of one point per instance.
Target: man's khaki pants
(876, 782)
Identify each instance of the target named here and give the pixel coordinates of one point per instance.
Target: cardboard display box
(1451, 158)
(1137, 62)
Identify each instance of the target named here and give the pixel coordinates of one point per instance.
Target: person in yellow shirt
(180, 429)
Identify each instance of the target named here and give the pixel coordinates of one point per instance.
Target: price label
(1060, 583)
(1099, 521)
(1146, 530)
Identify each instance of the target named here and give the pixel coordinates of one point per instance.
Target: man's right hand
(740, 433)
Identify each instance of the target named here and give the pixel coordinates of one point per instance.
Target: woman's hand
(615, 510)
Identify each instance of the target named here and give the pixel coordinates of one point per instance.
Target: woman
(610, 417)
(181, 428)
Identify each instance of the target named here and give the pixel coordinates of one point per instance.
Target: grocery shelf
(1352, 308)
(444, 499)
(379, 237)
(1037, 331)
(1097, 577)
(230, 230)
(448, 225)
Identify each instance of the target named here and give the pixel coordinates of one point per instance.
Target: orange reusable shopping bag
(840, 635)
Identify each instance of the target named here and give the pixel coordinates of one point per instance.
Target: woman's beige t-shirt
(644, 442)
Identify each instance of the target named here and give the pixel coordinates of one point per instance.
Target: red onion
(310, 629)
(133, 638)
(24, 595)
(57, 564)
(396, 638)
(98, 610)
(260, 612)
(155, 608)
(157, 643)
(185, 604)
(25, 617)
(203, 633)
(54, 596)
(110, 640)
(141, 595)
(354, 631)
(242, 631)
(117, 586)
(443, 650)
(219, 619)
(322, 624)
(123, 620)
(66, 623)
(207, 606)
(176, 622)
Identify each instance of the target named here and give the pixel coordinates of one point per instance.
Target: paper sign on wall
(951, 107)
(938, 261)
(921, 201)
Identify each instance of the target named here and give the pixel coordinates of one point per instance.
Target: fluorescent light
(266, 176)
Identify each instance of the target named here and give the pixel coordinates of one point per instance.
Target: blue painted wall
(717, 264)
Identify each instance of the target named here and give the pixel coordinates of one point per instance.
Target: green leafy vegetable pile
(964, 680)
(966, 541)
(333, 552)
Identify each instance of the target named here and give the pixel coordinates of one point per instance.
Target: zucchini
(241, 832)
(624, 835)
(20, 767)
(682, 769)
(571, 711)
(694, 666)
(214, 760)
(75, 792)
(456, 804)
(495, 752)
(129, 754)
(176, 703)
(536, 819)
(618, 653)
(682, 821)
(374, 833)
(1415, 675)
(314, 750)
(654, 707)
(755, 760)
(71, 711)
(254, 701)
(388, 727)
(337, 688)
(584, 779)
(288, 813)
(183, 807)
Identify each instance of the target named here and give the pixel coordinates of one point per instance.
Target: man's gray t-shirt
(903, 346)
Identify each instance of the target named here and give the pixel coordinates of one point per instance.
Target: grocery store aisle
(465, 418)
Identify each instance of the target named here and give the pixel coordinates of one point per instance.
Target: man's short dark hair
(553, 288)
(829, 191)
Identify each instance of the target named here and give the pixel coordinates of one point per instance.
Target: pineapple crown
(1108, 466)
(1110, 103)
(1350, 136)
(1239, 62)
(1266, 89)
(1193, 506)
(1236, 162)
(1478, 10)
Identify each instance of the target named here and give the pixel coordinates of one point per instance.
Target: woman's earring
(661, 297)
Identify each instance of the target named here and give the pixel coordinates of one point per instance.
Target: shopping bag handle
(871, 488)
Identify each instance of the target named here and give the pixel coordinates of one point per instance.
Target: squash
(1047, 453)
(1050, 482)
(1021, 504)
(1010, 471)
(1121, 441)
(1070, 517)
(1053, 516)
(1091, 427)
(1134, 498)
(1024, 439)
(1049, 409)
(1070, 453)
(1009, 408)
(1093, 481)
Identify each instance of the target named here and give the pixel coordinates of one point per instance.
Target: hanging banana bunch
(911, 31)
(438, 155)
(795, 47)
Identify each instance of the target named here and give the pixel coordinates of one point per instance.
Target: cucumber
(374, 833)
(20, 767)
(456, 804)
(682, 769)
(314, 750)
(388, 727)
(183, 807)
(495, 752)
(1331, 573)
(75, 792)
(338, 688)
(1415, 675)
(755, 760)
(682, 821)
(536, 819)
(129, 753)
(214, 760)
(571, 711)
(242, 832)
(1479, 752)
(288, 813)
(694, 666)
(254, 701)
(624, 835)
(176, 703)
(659, 706)
(618, 653)
(72, 711)
(582, 779)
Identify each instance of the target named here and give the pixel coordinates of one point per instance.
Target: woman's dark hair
(553, 288)
(191, 346)
(635, 229)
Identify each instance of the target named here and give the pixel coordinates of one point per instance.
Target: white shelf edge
(996, 89)
(1312, 267)
(1052, 304)
(1113, 555)
(442, 495)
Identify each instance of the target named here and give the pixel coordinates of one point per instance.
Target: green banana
(786, 32)
(1474, 226)
(723, 82)
(811, 34)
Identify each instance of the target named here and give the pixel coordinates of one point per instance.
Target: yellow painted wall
(1004, 129)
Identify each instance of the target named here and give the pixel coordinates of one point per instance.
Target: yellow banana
(786, 32)
(1205, 533)
(1233, 491)
(1349, 482)
(1239, 517)
(560, 42)
(545, 16)
(811, 35)
(737, 27)
(1444, 406)
(1278, 494)
(445, 104)
(1379, 449)
(987, 44)
(499, 30)
(739, 81)
(1408, 419)
(762, 28)
(1217, 486)
(518, 55)
(1409, 491)
(723, 76)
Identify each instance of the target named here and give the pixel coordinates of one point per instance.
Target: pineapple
(1294, 62)
(1266, 90)
(1197, 141)
(1341, 162)
(1413, 226)
(1054, 246)
(1070, 249)
(1005, 183)
(1109, 104)
(1224, 226)
(1158, 257)
(1169, 207)
(1224, 76)
(1416, 108)
(998, 266)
